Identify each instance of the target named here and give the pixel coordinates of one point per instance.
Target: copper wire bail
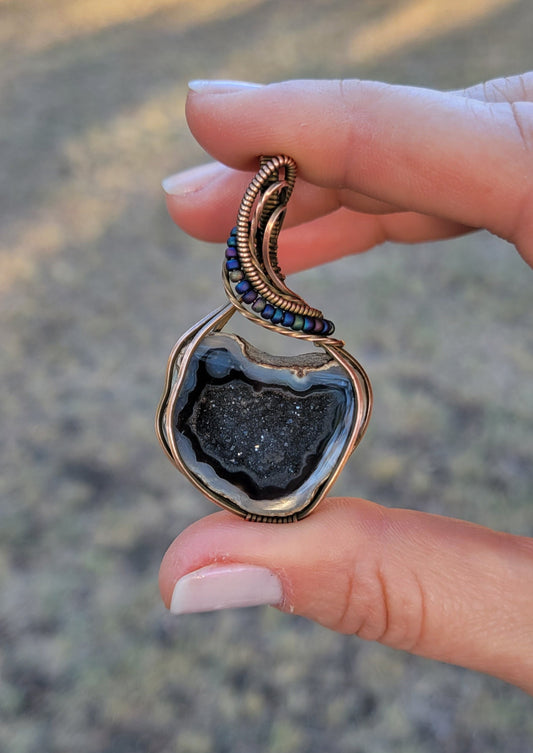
(255, 237)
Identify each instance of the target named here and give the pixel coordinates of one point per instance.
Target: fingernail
(189, 181)
(225, 587)
(220, 87)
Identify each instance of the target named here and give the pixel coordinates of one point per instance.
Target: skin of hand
(375, 162)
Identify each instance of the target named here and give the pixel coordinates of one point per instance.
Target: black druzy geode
(264, 438)
(261, 430)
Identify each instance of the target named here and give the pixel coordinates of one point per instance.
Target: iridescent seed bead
(288, 319)
(243, 287)
(236, 275)
(259, 304)
(277, 316)
(233, 230)
(331, 327)
(250, 296)
(298, 322)
(325, 328)
(232, 241)
(309, 324)
(319, 325)
(232, 264)
(267, 312)
(231, 253)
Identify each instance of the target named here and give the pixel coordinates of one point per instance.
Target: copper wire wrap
(259, 222)
(252, 276)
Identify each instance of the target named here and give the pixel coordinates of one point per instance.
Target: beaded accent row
(277, 315)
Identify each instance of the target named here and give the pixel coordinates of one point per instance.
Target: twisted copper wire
(252, 259)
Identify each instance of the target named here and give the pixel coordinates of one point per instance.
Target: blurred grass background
(96, 286)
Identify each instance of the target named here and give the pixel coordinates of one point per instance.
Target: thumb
(434, 586)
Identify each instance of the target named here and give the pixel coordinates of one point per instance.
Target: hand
(376, 162)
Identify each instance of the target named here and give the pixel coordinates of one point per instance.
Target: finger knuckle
(383, 603)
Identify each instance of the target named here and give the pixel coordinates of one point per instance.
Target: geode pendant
(263, 436)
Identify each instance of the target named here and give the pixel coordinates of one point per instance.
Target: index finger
(458, 158)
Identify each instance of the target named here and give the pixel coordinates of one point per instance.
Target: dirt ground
(96, 286)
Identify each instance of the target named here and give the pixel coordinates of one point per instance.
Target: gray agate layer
(264, 432)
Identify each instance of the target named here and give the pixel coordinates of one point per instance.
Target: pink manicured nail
(190, 181)
(220, 87)
(224, 587)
